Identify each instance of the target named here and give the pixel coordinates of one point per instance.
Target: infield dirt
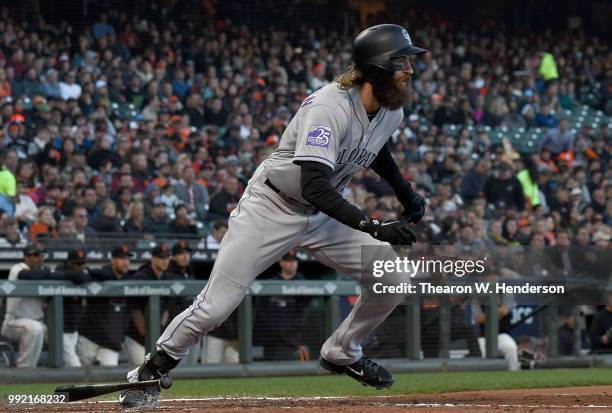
(564, 399)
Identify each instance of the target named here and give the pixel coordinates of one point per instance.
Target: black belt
(308, 210)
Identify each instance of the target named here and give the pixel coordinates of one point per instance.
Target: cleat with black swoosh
(139, 398)
(364, 370)
(156, 365)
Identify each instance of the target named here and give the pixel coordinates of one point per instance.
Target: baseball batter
(294, 200)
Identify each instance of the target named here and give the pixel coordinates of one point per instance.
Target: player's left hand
(395, 232)
(414, 210)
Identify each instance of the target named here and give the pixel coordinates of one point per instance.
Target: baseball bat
(86, 391)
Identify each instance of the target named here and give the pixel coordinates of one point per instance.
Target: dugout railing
(54, 293)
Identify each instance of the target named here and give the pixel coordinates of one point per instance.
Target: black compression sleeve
(384, 165)
(317, 189)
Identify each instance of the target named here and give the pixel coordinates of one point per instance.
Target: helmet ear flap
(375, 73)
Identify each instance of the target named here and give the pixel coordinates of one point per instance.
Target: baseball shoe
(139, 398)
(365, 371)
(154, 367)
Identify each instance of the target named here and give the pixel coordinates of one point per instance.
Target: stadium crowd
(148, 127)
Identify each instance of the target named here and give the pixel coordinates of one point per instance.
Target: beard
(391, 93)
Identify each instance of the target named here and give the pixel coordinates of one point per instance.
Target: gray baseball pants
(263, 228)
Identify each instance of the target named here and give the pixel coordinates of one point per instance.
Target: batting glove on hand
(415, 209)
(392, 231)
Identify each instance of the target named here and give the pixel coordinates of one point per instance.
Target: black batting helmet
(374, 48)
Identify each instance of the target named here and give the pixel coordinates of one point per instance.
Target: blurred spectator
(472, 184)
(496, 233)
(66, 235)
(213, 240)
(102, 28)
(169, 198)
(25, 208)
(89, 200)
(6, 89)
(558, 140)
(215, 113)
(182, 224)
(545, 119)
(51, 85)
(538, 261)
(548, 67)
(510, 231)
(496, 112)
(224, 201)
(107, 221)
(135, 219)
(529, 178)
(45, 225)
(599, 201)
(15, 139)
(467, 242)
(104, 325)
(11, 237)
(24, 318)
(193, 194)
(503, 190)
(602, 237)
(561, 253)
(316, 77)
(84, 233)
(157, 223)
(513, 118)
(8, 186)
(124, 200)
(69, 89)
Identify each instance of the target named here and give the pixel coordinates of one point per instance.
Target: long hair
(351, 77)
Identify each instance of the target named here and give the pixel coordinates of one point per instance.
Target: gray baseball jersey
(330, 127)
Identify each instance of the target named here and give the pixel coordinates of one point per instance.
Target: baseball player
(294, 200)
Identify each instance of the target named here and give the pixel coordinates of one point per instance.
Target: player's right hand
(393, 231)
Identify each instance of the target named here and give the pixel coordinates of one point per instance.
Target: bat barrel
(86, 391)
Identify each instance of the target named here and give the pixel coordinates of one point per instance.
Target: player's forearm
(318, 191)
(384, 165)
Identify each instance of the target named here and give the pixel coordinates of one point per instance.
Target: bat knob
(165, 381)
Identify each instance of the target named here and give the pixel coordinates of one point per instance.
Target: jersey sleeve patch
(319, 136)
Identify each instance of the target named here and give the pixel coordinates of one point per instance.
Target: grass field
(343, 386)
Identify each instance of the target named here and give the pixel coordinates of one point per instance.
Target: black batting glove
(414, 208)
(393, 231)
